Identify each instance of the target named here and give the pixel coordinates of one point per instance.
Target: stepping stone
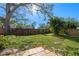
(46, 51)
(33, 51)
(8, 51)
(20, 53)
(40, 54)
(51, 54)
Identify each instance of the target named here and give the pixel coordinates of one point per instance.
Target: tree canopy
(15, 10)
(59, 24)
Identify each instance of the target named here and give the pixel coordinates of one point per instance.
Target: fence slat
(25, 31)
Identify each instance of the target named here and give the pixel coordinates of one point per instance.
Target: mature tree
(71, 23)
(57, 24)
(61, 25)
(33, 24)
(43, 26)
(20, 25)
(11, 8)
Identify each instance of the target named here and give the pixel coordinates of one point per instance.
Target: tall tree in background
(43, 26)
(57, 24)
(63, 25)
(10, 8)
(33, 24)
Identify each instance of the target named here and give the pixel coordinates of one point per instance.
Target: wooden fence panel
(21, 31)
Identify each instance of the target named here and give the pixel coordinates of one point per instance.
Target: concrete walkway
(39, 51)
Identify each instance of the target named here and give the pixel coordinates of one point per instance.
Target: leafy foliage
(57, 24)
(62, 25)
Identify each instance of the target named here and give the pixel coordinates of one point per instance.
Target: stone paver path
(39, 51)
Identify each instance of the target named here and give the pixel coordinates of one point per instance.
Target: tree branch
(16, 6)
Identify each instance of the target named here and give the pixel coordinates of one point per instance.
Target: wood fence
(21, 31)
(25, 31)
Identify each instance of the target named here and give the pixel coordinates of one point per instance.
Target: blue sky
(66, 10)
(60, 9)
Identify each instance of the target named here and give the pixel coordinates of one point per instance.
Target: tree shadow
(69, 51)
(73, 38)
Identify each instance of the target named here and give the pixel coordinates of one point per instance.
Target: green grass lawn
(68, 45)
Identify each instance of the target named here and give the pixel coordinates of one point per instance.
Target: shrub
(6, 42)
(61, 25)
(57, 24)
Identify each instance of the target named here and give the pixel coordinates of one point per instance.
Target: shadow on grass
(73, 38)
(71, 51)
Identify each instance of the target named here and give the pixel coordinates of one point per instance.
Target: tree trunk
(7, 19)
(7, 24)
